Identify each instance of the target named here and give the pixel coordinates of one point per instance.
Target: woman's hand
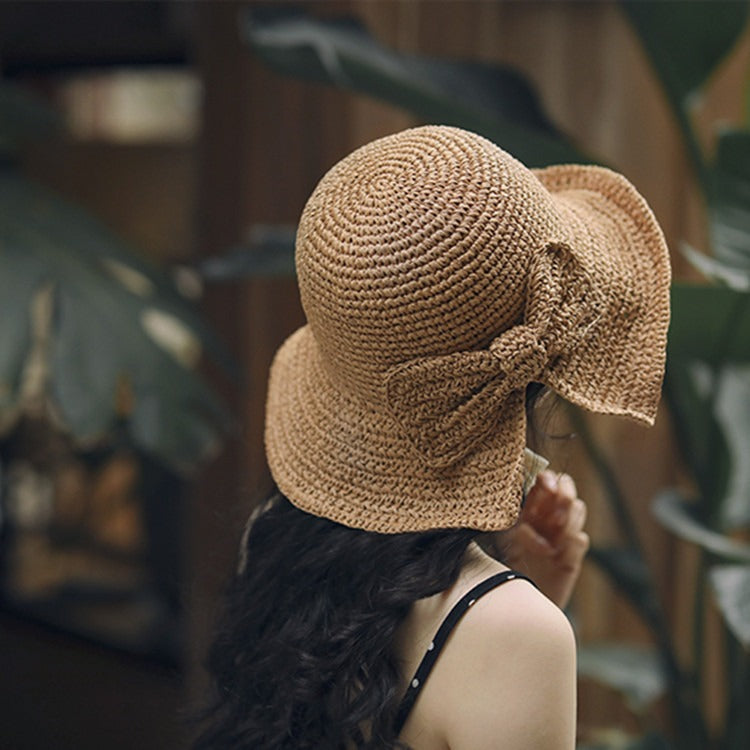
(548, 543)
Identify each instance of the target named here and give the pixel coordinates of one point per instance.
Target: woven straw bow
(446, 405)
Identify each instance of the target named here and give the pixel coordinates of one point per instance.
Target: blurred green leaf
(690, 389)
(103, 362)
(686, 39)
(24, 117)
(635, 671)
(269, 252)
(732, 412)
(20, 277)
(709, 323)
(731, 583)
(91, 349)
(489, 99)
(677, 515)
(82, 242)
(711, 411)
(706, 385)
(182, 426)
(735, 277)
(729, 202)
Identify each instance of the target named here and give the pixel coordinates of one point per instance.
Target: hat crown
(417, 244)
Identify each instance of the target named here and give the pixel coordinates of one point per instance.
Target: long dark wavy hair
(303, 658)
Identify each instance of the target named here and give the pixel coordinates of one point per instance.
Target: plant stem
(699, 609)
(736, 734)
(712, 510)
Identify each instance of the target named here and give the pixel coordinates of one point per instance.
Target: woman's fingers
(576, 516)
(549, 543)
(567, 487)
(542, 502)
(557, 517)
(552, 507)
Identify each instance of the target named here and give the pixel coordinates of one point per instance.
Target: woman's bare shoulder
(508, 674)
(515, 627)
(518, 607)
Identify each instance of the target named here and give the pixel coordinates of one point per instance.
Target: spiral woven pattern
(439, 275)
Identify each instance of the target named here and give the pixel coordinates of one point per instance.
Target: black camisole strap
(446, 627)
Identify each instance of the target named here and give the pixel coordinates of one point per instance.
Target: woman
(444, 285)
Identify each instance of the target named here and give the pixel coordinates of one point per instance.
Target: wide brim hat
(440, 277)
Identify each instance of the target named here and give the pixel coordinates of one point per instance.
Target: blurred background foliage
(707, 385)
(104, 411)
(95, 338)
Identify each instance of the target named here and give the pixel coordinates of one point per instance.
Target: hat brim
(612, 231)
(334, 455)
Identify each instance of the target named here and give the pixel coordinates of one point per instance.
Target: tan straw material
(440, 277)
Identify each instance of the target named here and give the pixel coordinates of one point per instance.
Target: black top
(445, 629)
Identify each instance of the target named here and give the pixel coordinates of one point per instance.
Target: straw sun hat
(440, 277)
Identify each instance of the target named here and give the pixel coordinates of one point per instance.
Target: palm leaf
(106, 363)
(731, 584)
(492, 100)
(634, 671)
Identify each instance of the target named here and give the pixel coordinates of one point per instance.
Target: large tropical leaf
(707, 386)
(730, 204)
(24, 117)
(634, 671)
(489, 99)
(732, 412)
(734, 276)
(690, 388)
(686, 39)
(118, 345)
(710, 324)
(21, 276)
(678, 516)
(24, 204)
(731, 584)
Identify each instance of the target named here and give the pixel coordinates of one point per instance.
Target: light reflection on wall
(132, 106)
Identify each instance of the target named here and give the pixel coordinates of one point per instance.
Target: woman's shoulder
(507, 674)
(514, 612)
(517, 610)
(514, 626)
